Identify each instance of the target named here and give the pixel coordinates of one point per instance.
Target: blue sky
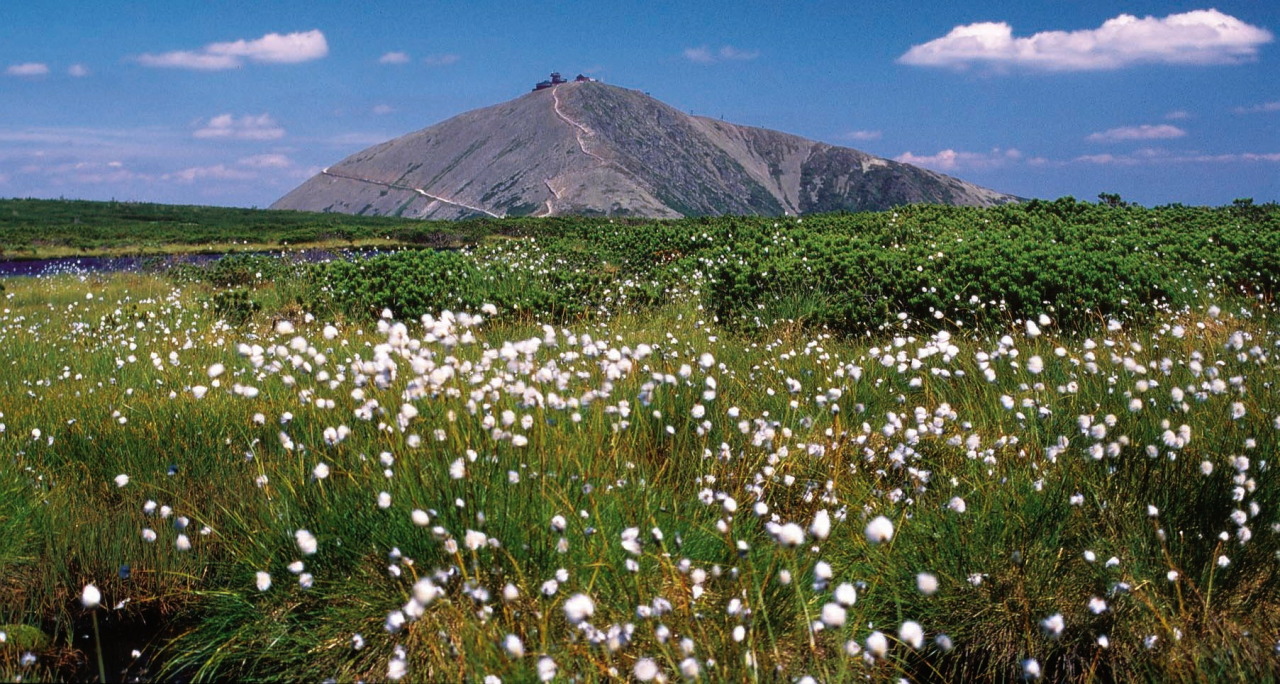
(235, 103)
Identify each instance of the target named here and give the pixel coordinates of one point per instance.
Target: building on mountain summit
(556, 79)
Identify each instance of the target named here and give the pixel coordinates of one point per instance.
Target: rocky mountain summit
(587, 148)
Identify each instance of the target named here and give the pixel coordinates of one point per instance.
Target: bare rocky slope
(593, 149)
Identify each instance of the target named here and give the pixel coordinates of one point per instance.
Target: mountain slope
(594, 149)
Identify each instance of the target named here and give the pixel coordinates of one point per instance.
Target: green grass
(74, 367)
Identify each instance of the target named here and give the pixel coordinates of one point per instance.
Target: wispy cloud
(441, 60)
(705, 55)
(394, 58)
(27, 69)
(1196, 37)
(247, 127)
(952, 160)
(382, 109)
(1143, 132)
(273, 48)
(861, 135)
(1178, 115)
(266, 161)
(1157, 156)
(1259, 108)
(78, 70)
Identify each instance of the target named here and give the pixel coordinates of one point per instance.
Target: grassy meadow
(935, 444)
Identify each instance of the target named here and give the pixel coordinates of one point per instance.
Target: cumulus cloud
(862, 135)
(1196, 37)
(1143, 132)
(27, 69)
(441, 60)
(247, 127)
(705, 55)
(273, 48)
(952, 160)
(78, 70)
(394, 58)
(1259, 108)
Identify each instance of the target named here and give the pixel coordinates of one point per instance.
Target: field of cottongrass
(642, 493)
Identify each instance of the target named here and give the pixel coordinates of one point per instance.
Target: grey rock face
(588, 148)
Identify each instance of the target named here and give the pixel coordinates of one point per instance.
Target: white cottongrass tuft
(263, 580)
(911, 634)
(877, 644)
(307, 543)
(646, 669)
(513, 646)
(578, 608)
(90, 597)
(1053, 625)
(879, 530)
(927, 583)
(846, 595)
(122, 480)
(820, 528)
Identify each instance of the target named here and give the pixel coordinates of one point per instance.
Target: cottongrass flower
(957, 504)
(90, 597)
(182, 543)
(690, 669)
(546, 669)
(820, 528)
(307, 543)
(879, 530)
(122, 480)
(1031, 669)
(911, 634)
(1053, 625)
(833, 614)
(321, 471)
(398, 667)
(927, 583)
(420, 517)
(846, 595)
(1097, 606)
(645, 670)
(148, 535)
(263, 580)
(578, 608)
(513, 646)
(877, 644)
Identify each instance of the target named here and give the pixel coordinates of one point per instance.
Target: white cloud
(705, 55)
(382, 109)
(1259, 108)
(215, 172)
(862, 135)
(441, 60)
(78, 70)
(183, 59)
(394, 58)
(273, 48)
(266, 161)
(1143, 132)
(247, 127)
(951, 160)
(1160, 157)
(1178, 115)
(27, 69)
(1196, 37)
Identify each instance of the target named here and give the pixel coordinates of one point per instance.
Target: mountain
(594, 149)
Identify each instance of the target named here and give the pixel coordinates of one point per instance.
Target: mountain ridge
(588, 148)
